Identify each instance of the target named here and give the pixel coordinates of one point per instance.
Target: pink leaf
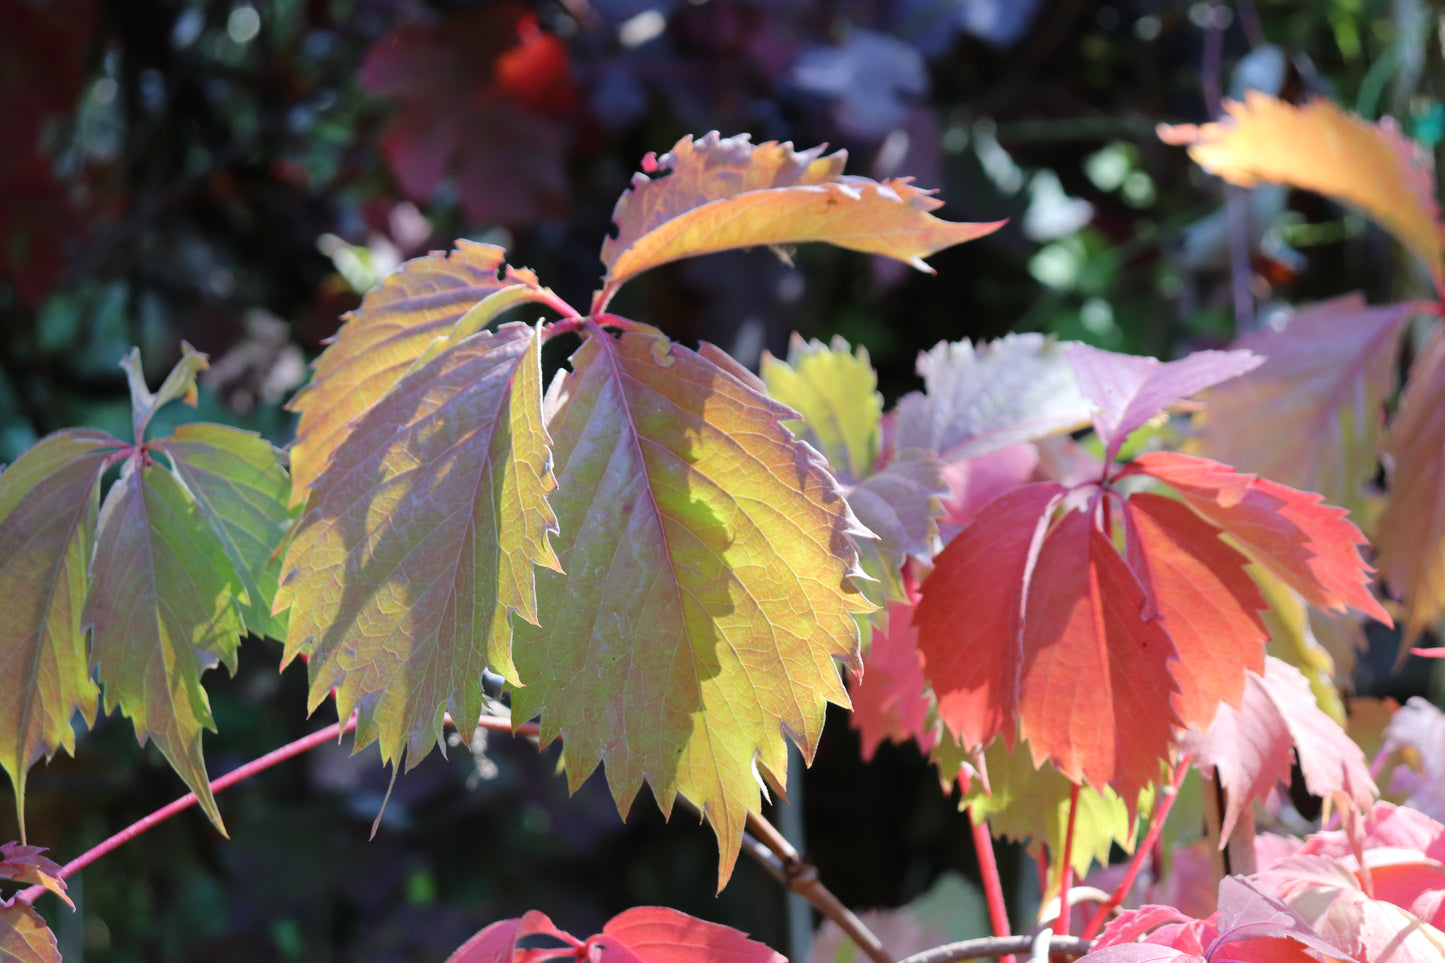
(1248, 748)
(1128, 390)
(498, 942)
(1420, 726)
(1411, 532)
(1324, 382)
(891, 702)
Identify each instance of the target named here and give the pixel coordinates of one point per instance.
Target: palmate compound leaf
(721, 193)
(1411, 531)
(1311, 546)
(1049, 638)
(708, 591)
(418, 542)
(431, 302)
(1319, 147)
(1324, 382)
(48, 503)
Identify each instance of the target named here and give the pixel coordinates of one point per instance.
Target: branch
(334, 731)
(998, 946)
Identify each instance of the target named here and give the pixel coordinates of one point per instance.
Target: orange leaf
(1314, 548)
(723, 193)
(1412, 529)
(970, 617)
(1206, 602)
(1321, 148)
(1095, 686)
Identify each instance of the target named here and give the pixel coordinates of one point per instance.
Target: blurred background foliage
(234, 173)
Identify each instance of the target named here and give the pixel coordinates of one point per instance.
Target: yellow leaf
(1319, 147)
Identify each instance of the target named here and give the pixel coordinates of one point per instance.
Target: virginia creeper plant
(1025, 567)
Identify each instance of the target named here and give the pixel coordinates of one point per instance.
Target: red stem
(334, 731)
(1066, 875)
(1151, 838)
(988, 873)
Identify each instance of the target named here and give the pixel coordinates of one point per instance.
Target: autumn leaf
(430, 303)
(898, 504)
(1248, 748)
(1312, 547)
(643, 934)
(970, 616)
(497, 943)
(48, 503)
(1128, 390)
(24, 937)
(1095, 673)
(1204, 598)
(1324, 383)
(979, 400)
(717, 194)
(1031, 804)
(892, 701)
(484, 95)
(1418, 728)
(656, 934)
(836, 392)
(25, 864)
(418, 543)
(1321, 148)
(1411, 531)
(707, 591)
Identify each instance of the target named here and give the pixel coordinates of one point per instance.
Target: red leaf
(1207, 602)
(498, 943)
(891, 701)
(480, 93)
(1095, 673)
(1129, 390)
(25, 864)
(656, 934)
(1313, 547)
(970, 616)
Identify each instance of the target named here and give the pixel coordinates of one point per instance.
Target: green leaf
(180, 384)
(708, 595)
(163, 607)
(405, 321)
(48, 502)
(836, 392)
(241, 489)
(1032, 805)
(418, 544)
(721, 193)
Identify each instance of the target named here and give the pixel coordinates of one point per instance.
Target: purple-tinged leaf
(1128, 390)
(24, 937)
(1247, 912)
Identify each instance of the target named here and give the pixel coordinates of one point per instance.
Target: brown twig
(766, 845)
(998, 946)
